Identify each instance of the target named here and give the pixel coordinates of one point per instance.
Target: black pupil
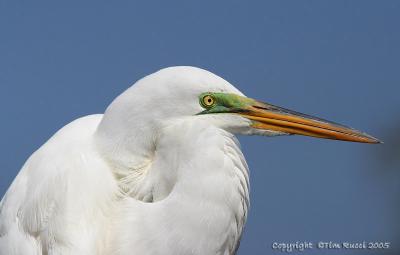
(209, 100)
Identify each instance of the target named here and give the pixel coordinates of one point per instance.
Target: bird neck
(130, 159)
(127, 143)
(200, 179)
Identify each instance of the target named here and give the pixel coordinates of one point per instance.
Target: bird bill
(271, 117)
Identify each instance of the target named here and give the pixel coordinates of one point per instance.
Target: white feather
(148, 177)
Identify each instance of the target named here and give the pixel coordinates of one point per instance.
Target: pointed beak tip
(371, 139)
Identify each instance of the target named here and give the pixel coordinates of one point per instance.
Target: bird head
(177, 93)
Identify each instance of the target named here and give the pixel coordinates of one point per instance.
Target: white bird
(160, 172)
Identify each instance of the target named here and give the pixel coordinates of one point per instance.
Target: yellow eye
(208, 101)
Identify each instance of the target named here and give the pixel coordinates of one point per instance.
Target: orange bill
(271, 117)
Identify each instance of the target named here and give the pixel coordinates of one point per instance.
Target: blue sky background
(339, 60)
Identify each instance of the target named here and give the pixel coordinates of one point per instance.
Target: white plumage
(81, 192)
(159, 173)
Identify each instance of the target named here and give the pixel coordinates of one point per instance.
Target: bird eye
(208, 100)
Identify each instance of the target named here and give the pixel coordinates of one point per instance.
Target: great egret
(160, 172)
